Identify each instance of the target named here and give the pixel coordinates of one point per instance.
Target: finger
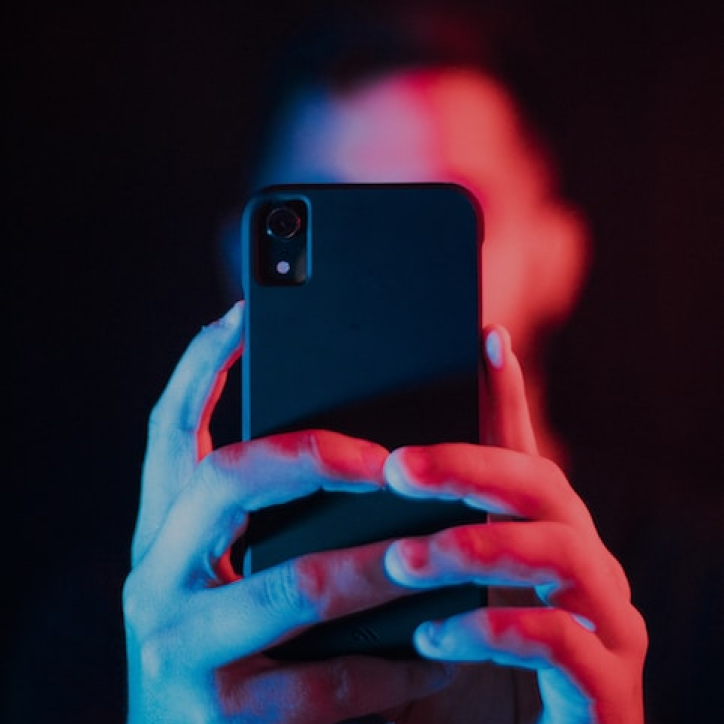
(178, 430)
(575, 668)
(566, 570)
(332, 691)
(251, 615)
(211, 512)
(496, 480)
(510, 425)
(534, 638)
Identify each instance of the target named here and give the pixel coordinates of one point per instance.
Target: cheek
(503, 293)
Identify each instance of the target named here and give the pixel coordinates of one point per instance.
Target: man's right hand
(195, 629)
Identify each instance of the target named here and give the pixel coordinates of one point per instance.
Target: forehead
(440, 125)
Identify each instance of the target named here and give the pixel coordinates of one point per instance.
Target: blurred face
(446, 125)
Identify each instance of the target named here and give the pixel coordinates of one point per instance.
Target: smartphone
(363, 306)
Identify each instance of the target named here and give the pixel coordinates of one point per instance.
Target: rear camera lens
(283, 222)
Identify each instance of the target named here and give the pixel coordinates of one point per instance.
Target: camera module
(283, 222)
(281, 233)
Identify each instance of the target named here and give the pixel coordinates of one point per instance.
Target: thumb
(508, 419)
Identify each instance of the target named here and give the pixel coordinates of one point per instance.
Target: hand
(195, 630)
(582, 636)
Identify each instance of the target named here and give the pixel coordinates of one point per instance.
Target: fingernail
(494, 348)
(405, 557)
(233, 316)
(429, 636)
(413, 553)
(409, 471)
(417, 463)
(395, 474)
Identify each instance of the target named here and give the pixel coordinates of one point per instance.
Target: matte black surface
(381, 342)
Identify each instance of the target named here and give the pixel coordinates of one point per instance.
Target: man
(196, 630)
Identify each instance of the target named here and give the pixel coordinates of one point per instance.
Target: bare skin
(196, 630)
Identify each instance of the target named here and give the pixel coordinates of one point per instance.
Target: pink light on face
(384, 132)
(481, 138)
(458, 126)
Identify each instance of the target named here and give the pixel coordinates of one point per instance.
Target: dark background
(126, 130)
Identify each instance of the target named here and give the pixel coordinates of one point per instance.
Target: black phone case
(381, 341)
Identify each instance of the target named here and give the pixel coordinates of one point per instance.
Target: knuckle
(206, 473)
(619, 577)
(340, 685)
(572, 507)
(158, 412)
(554, 473)
(311, 578)
(326, 447)
(310, 443)
(465, 545)
(638, 633)
(317, 442)
(169, 422)
(566, 636)
(218, 476)
(555, 635)
(571, 504)
(153, 657)
(281, 592)
(131, 598)
(157, 418)
(138, 603)
(576, 549)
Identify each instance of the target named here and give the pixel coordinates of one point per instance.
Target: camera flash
(283, 267)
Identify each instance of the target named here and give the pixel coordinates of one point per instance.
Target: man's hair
(351, 43)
